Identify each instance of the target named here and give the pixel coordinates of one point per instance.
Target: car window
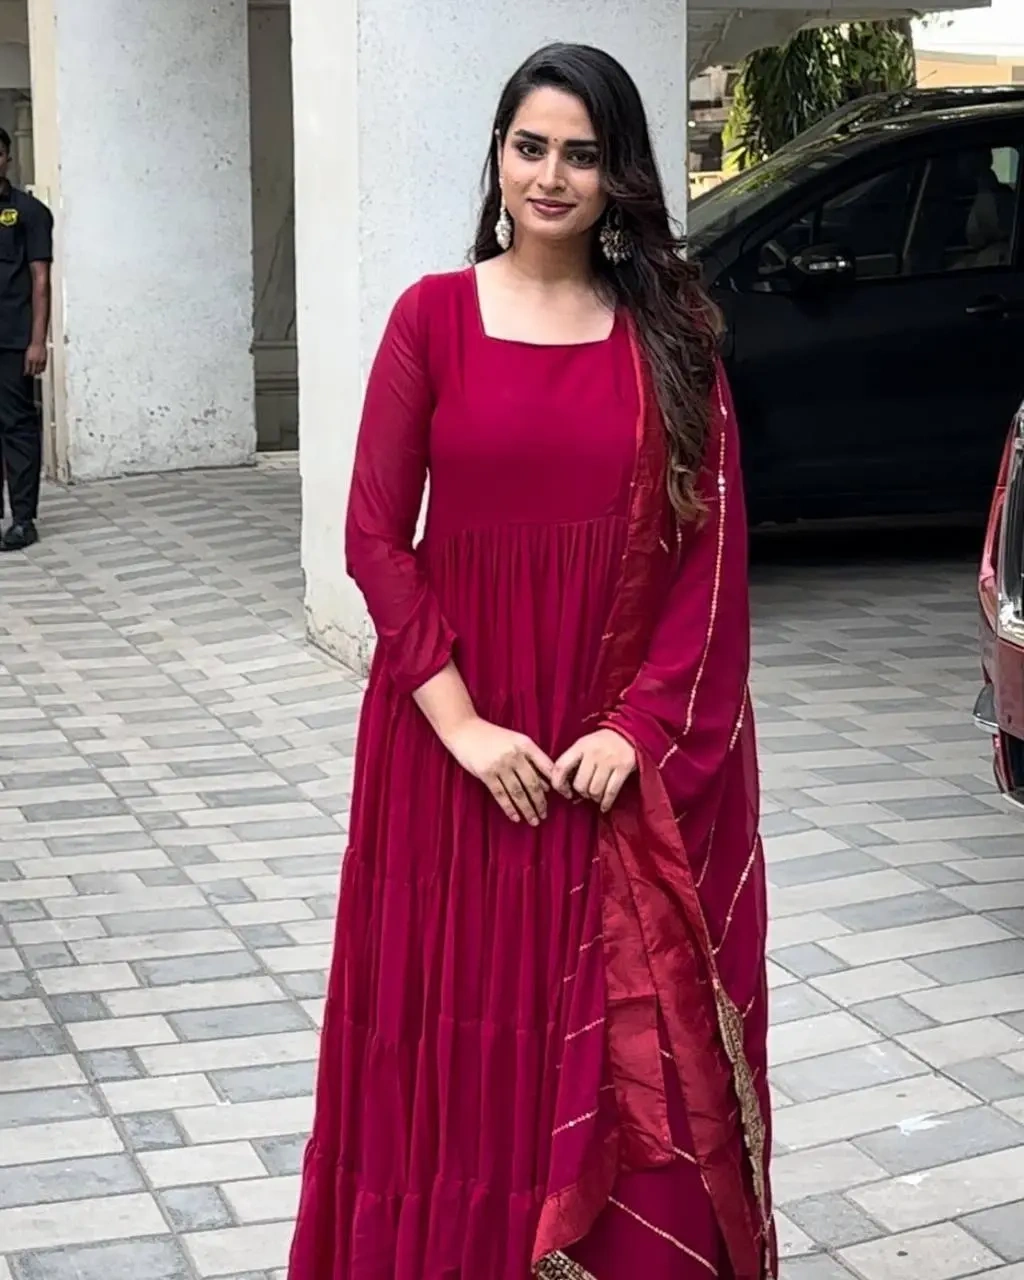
(868, 221)
(952, 212)
(966, 212)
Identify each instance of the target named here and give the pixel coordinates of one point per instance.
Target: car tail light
(1010, 567)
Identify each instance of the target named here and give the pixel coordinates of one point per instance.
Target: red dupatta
(683, 896)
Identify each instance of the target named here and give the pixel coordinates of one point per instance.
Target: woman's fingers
(536, 787)
(565, 766)
(520, 797)
(501, 795)
(542, 762)
(616, 781)
(599, 782)
(585, 771)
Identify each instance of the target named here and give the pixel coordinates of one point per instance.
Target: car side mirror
(821, 266)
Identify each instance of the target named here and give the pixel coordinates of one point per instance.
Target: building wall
(142, 147)
(947, 70)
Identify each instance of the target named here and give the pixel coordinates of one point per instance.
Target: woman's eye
(529, 150)
(583, 159)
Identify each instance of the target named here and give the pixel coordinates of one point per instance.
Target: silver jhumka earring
(614, 241)
(503, 228)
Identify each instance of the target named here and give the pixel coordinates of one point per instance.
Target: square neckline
(474, 285)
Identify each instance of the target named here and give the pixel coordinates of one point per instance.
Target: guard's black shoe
(19, 536)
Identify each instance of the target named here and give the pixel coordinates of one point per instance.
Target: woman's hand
(596, 767)
(512, 767)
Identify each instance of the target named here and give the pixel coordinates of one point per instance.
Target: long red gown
(543, 1047)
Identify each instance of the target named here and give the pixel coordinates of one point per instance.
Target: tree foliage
(782, 91)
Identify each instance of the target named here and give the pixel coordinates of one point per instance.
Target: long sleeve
(685, 709)
(384, 502)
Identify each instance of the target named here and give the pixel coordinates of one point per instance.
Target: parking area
(175, 767)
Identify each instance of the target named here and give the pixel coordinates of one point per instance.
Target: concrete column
(142, 151)
(393, 109)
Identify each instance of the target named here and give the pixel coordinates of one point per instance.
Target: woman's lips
(551, 208)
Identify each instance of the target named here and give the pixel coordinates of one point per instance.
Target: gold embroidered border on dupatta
(559, 1266)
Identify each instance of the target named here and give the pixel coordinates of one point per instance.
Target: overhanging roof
(721, 32)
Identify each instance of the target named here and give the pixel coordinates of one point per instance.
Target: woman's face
(549, 168)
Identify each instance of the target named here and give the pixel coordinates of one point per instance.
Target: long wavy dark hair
(677, 323)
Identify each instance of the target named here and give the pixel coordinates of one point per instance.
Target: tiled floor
(174, 770)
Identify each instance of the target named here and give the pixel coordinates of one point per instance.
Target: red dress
(474, 1115)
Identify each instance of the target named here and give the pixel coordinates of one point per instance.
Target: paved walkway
(174, 775)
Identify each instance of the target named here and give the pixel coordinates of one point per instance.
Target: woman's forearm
(445, 701)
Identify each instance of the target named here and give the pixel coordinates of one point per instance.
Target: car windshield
(860, 111)
(720, 209)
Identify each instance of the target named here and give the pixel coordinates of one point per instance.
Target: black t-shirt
(26, 235)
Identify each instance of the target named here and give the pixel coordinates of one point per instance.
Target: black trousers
(21, 438)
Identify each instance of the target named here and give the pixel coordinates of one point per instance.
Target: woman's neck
(547, 265)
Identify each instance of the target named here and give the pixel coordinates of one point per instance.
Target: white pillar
(393, 108)
(142, 152)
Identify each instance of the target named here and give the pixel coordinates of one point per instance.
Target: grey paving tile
(823, 866)
(229, 891)
(889, 913)
(160, 1259)
(277, 1080)
(305, 986)
(808, 960)
(938, 875)
(59, 1180)
(247, 1020)
(847, 1071)
(30, 1042)
(154, 877)
(195, 1208)
(798, 1001)
(79, 1007)
(47, 955)
(991, 846)
(110, 1064)
(936, 1140)
(989, 1078)
(151, 1131)
(38, 1106)
(892, 1016)
(1013, 919)
(970, 964)
(1001, 1229)
(156, 921)
(951, 806)
(816, 1268)
(833, 1222)
(264, 935)
(15, 986)
(281, 1155)
(197, 968)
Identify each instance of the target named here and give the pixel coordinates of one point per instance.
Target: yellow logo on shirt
(8, 217)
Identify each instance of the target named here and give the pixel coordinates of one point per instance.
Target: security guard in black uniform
(26, 252)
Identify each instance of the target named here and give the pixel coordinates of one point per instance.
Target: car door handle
(992, 307)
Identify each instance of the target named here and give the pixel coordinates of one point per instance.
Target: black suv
(871, 278)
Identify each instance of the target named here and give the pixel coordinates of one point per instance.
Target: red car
(1000, 706)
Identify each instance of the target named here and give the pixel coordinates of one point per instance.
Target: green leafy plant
(782, 91)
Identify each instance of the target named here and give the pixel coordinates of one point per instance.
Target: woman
(544, 1042)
